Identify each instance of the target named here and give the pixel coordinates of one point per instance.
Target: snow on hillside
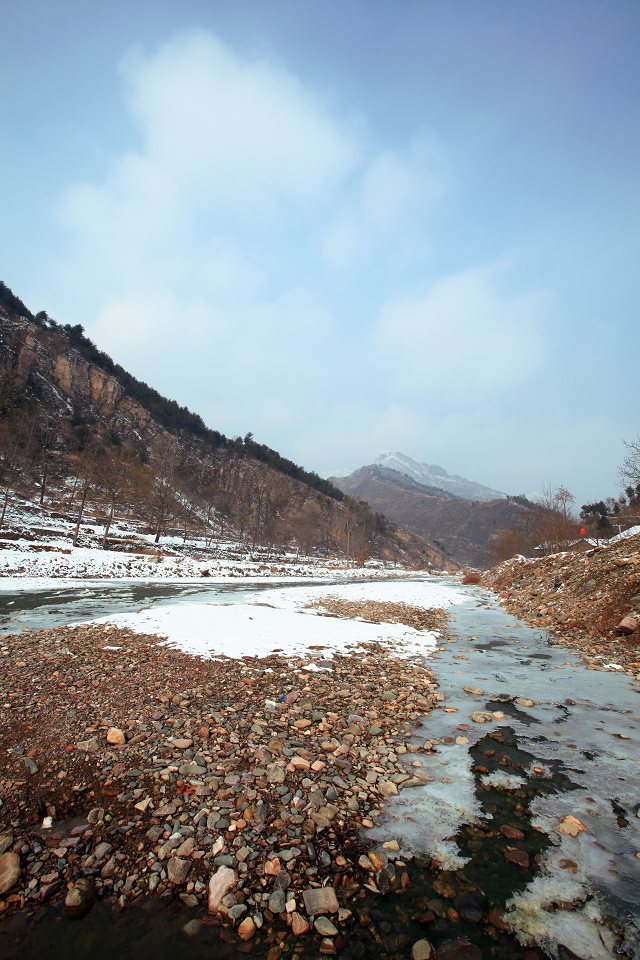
(431, 475)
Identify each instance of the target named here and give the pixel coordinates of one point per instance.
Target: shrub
(472, 576)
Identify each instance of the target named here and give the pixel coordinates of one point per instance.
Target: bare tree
(15, 445)
(163, 493)
(87, 473)
(556, 522)
(630, 469)
(121, 475)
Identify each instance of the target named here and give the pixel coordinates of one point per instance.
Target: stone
(387, 788)
(115, 736)
(299, 925)
(519, 857)
(481, 716)
(220, 883)
(6, 840)
(277, 901)
(629, 624)
(324, 927)
(178, 870)
(422, 950)
(570, 827)
(247, 928)
(192, 928)
(511, 833)
(9, 871)
(80, 898)
(476, 692)
(319, 900)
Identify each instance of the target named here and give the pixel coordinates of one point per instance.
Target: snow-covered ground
(279, 621)
(36, 551)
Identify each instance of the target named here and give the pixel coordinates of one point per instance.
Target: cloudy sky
(344, 226)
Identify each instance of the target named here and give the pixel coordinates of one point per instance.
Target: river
(569, 747)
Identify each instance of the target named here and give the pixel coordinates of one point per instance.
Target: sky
(345, 227)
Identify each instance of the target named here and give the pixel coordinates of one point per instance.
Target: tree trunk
(85, 491)
(45, 471)
(107, 525)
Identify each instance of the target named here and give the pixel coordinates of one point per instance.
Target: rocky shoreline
(589, 599)
(243, 787)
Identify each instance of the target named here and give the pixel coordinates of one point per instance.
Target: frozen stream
(572, 752)
(582, 733)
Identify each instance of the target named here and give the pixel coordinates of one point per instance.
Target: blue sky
(345, 227)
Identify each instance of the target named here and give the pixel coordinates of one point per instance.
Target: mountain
(75, 426)
(430, 475)
(464, 528)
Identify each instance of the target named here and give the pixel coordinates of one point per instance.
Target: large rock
(220, 883)
(629, 624)
(318, 900)
(9, 871)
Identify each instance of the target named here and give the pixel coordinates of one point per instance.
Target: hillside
(464, 528)
(80, 432)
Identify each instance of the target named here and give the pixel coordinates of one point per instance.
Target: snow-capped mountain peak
(432, 475)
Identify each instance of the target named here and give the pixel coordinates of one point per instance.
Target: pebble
(481, 716)
(422, 950)
(115, 736)
(178, 870)
(324, 927)
(247, 928)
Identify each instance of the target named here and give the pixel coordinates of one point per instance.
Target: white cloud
(463, 336)
(391, 194)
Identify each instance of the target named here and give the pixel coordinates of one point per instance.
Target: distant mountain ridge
(428, 501)
(433, 476)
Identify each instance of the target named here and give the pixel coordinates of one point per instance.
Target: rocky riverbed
(240, 786)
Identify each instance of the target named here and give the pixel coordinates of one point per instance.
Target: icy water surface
(39, 609)
(573, 752)
(519, 896)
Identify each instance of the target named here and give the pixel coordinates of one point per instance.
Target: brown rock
(115, 736)
(247, 929)
(511, 833)
(9, 871)
(519, 857)
(299, 925)
(629, 624)
(318, 900)
(422, 950)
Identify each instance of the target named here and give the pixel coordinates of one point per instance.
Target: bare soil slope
(589, 599)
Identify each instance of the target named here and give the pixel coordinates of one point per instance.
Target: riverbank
(161, 771)
(589, 599)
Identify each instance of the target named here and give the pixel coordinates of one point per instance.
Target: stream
(491, 873)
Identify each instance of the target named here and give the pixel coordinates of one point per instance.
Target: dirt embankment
(589, 599)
